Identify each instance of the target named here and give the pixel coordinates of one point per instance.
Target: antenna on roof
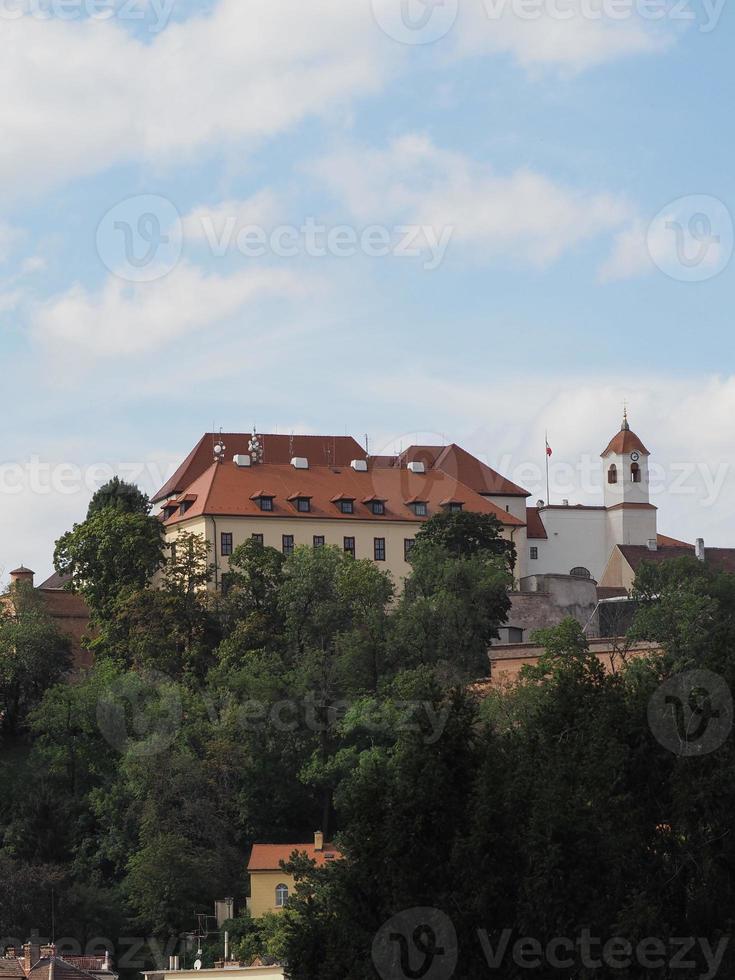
(219, 449)
(53, 917)
(367, 446)
(290, 445)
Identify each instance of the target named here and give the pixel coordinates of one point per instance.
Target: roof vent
(243, 461)
(416, 467)
(300, 463)
(359, 465)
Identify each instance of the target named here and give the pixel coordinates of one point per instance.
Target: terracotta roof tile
(268, 857)
(625, 442)
(722, 559)
(535, 524)
(228, 490)
(278, 449)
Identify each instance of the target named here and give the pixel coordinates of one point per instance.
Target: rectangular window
(288, 544)
(266, 503)
(226, 544)
(347, 506)
(318, 541)
(534, 554)
(379, 549)
(455, 508)
(258, 539)
(350, 546)
(408, 544)
(420, 509)
(378, 507)
(303, 505)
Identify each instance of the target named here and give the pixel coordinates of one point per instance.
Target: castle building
(287, 491)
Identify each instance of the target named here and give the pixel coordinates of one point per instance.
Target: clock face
(635, 457)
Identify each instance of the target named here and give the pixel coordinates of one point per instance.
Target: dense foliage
(309, 695)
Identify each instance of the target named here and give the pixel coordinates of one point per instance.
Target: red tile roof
(278, 449)
(535, 524)
(268, 857)
(664, 541)
(458, 463)
(722, 559)
(227, 490)
(625, 442)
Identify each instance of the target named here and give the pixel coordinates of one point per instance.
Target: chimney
(21, 576)
(700, 549)
(31, 956)
(49, 950)
(318, 841)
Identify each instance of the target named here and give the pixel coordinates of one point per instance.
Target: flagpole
(546, 454)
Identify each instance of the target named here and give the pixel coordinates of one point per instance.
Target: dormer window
(263, 500)
(376, 505)
(345, 505)
(302, 502)
(420, 508)
(453, 506)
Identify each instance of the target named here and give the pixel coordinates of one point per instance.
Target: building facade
(270, 886)
(315, 491)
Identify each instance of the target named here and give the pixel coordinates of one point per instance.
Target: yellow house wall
(304, 530)
(263, 886)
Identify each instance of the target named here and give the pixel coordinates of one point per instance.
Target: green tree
(463, 534)
(33, 655)
(118, 495)
(113, 551)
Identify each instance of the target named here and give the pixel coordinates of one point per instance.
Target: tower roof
(625, 442)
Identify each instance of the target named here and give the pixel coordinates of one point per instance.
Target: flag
(549, 450)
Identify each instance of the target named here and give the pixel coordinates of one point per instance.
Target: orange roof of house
(268, 857)
(226, 489)
(279, 449)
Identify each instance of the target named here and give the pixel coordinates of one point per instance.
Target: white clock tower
(631, 515)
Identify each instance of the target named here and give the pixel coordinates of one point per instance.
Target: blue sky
(554, 158)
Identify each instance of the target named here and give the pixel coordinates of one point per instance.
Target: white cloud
(123, 319)
(219, 224)
(524, 214)
(557, 34)
(248, 71)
